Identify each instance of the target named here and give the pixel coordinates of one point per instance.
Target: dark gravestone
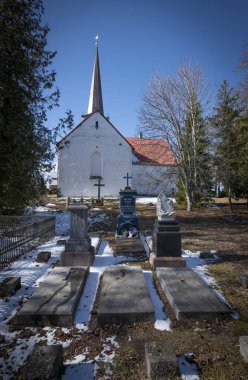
(166, 239)
(127, 217)
(166, 236)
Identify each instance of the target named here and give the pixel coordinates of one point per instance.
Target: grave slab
(124, 297)
(189, 296)
(44, 363)
(161, 361)
(131, 247)
(56, 300)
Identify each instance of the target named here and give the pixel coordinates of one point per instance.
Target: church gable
(94, 149)
(95, 126)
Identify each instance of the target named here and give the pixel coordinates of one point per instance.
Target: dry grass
(215, 344)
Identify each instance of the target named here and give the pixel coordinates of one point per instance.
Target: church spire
(95, 100)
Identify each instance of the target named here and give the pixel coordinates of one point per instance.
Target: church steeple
(95, 100)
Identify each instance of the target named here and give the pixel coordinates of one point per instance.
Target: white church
(95, 152)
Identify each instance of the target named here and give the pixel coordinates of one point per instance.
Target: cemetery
(123, 251)
(169, 302)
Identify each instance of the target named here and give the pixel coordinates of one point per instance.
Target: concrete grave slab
(44, 363)
(56, 300)
(189, 296)
(131, 247)
(161, 360)
(124, 297)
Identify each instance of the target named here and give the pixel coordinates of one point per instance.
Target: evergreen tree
(197, 142)
(241, 129)
(226, 113)
(26, 93)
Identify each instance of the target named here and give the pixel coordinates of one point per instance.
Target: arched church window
(96, 165)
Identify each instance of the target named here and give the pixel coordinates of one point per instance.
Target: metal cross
(99, 184)
(127, 177)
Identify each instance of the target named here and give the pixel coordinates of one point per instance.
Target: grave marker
(127, 217)
(78, 250)
(189, 296)
(99, 185)
(55, 301)
(124, 297)
(166, 236)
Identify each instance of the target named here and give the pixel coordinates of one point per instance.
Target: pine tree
(197, 142)
(226, 112)
(241, 130)
(26, 93)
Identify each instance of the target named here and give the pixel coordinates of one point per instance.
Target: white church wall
(89, 145)
(151, 179)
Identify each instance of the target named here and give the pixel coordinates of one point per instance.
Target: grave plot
(189, 296)
(131, 247)
(56, 300)
(124, 297)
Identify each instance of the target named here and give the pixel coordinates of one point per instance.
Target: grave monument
(166, 236)
(127, 218)
(78, 250)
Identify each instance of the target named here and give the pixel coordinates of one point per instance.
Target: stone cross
(127, 178)
(99, 184)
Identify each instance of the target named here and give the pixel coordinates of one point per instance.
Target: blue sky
(136, 38)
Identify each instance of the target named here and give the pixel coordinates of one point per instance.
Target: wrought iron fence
(19, 234)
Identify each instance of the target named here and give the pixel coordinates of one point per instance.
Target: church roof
(95, 99)
(151, 151)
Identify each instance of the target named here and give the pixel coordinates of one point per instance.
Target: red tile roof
(151, 151)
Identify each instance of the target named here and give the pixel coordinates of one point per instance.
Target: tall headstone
(127, 217)
(78, 250)
(166, 235)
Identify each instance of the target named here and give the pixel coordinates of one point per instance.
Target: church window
(96, 165)
(96, 125)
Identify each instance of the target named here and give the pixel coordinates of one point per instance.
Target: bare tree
(172, 109)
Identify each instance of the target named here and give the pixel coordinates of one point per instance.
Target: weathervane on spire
(96, 38)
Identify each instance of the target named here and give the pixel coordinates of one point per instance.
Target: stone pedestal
(166, 239)
(78, 250)
(166, 244)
